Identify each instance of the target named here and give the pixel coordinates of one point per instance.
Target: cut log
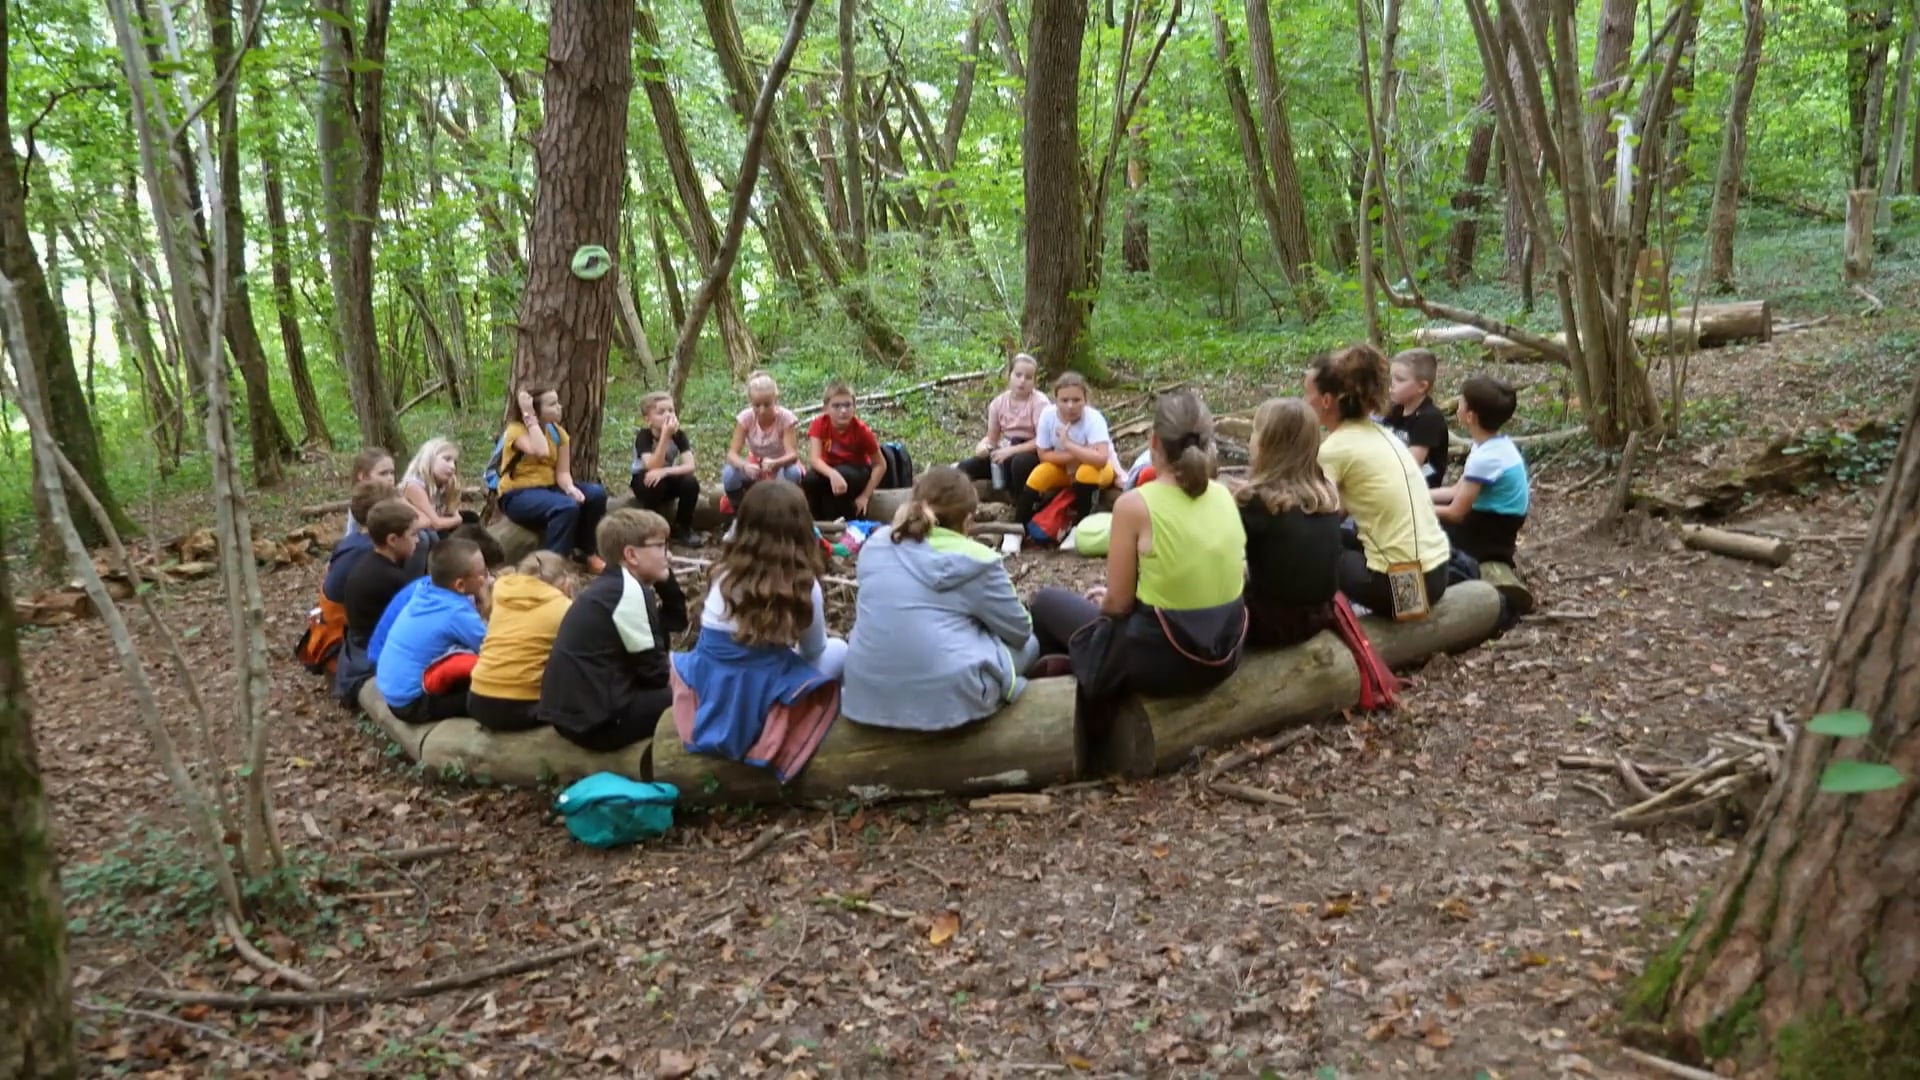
(1276, 688)
(1858, 242)
(1765, 549)
(1033, 743)
(1508, 583)
(462, 748)
(519, 541)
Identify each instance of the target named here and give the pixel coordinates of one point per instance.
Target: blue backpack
(503, 463)
(608, 810)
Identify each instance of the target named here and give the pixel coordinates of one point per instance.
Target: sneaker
(687, 538)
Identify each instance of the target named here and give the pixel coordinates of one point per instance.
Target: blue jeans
(735, 483)
(565, 526)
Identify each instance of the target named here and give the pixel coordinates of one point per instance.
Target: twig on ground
(1714, 771)
(1671, 1068)
(406, 856)
(1249, 793)
(254, 956)
(269, 999)
(1565, 616)
(1631, 778)
(199, 1029)
(1592, 789)
(1262, 749)
(858, 903)
(773, 836)
(1866, 294)
(369, 897)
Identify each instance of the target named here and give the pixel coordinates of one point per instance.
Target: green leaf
(327, 14)
(1842, 724)
(1859, 777)
(361, 67)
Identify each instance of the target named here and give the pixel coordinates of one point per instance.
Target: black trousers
(825, 505)
(503, 714)
(638, 722)
(1371, 590)
(683, 489)
(1019, 467)
(432, 708)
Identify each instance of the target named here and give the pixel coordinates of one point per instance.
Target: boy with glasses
(845, 465)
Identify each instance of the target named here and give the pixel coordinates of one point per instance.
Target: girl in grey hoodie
(940, 639)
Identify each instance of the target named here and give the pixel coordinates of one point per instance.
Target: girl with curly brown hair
(763, 646)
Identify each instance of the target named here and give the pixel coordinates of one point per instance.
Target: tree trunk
(1868, 64)
(1723, 220)
(1902, 116)
(854, 172)
(312, 417)
(663, 258)
(1136, 245)
(1612, 59)
(46, 333)
(271, 443)
(1857, 251)
(566, 322)
(1054, 319)
(1464, 238)
(1296, 243)
(1803, 948)
(352, 162)
(36, 1008)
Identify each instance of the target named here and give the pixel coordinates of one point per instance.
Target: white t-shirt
(1089, 430)
(813, 640)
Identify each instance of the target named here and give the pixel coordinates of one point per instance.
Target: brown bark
(1723, 219)
(663, 260)
(46, 333)
(352, 163)
(36, 1008)
(566, 322)
(1808, 924)
(1612, 57)
(1902, 118)
(1464, 238)
(1054, 318)
(1136, 244)
(312, 416)
(1295, 243)
(854, 173)
(833, 188)
(1866, 84)
(271, 443)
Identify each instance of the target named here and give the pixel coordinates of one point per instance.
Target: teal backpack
(608, 810)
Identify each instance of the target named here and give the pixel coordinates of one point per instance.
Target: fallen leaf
(674, 1064)
(1534, 959)
(1455, 908)
(1336, 909)
(1078, 1063)
(945, 925)
(1436, 1036)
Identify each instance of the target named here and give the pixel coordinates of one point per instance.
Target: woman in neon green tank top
(1170, 619)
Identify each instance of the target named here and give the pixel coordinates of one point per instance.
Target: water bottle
(1000, 469)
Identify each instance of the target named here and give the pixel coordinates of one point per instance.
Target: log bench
(461, 747)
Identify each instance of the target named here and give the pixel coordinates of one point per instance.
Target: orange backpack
(319, 648)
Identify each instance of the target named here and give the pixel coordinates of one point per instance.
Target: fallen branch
(856, 903)
(1019, 802)
(258, 959)
(1671, 1068)
(1249, 793)
(879, 397)
(1765, 549)
(268, 999)
(207, 1030)
(432, 388)
(410, 855)
(1631, 778)
(773, 836)
(1265, 748)
(1715, 771)
(1867, 294)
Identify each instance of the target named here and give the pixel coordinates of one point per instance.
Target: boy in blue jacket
(424, 667)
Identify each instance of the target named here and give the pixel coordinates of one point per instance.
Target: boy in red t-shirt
(844, 462)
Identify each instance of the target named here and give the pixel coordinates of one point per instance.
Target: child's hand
(839, 482)
(1097, 595)
(525, 401)
(1002, 455)
(860, 502)
(652, 477)
(753, 469)
(983, 447)
(672, 426)
(574, 493)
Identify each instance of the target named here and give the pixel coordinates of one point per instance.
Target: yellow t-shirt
(1382, 488)
(526, 618)
(529, 471)
(1199, 551)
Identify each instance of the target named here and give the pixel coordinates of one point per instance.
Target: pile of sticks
(1724, 785)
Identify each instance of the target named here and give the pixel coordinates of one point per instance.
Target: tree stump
(1509, 584)
(1858, 264)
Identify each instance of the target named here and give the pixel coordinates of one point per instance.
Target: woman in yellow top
(528, 605)
(537, 490)
(1380, 484)
(1170, 619)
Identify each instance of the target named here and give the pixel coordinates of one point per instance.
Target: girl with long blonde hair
(1291, 513)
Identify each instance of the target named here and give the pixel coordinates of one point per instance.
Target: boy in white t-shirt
(1484, 510)
(1075, 448)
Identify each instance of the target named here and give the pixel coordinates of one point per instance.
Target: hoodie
(935, 634)
(435, 623)
(526, 618)
(345, 553)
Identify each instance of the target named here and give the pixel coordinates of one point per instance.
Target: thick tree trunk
(36, 1008)
(1805, 945)
(352, 162)
(312, 417)
(566, 322)
(46, 333)
(271, 443)
(1464, 238)
(1867, 86)
(1902, 117)
(1723, 220)
(1054, 319)
(1857, 242)
(1296, 243)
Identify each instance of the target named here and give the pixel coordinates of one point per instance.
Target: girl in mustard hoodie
(527, 607)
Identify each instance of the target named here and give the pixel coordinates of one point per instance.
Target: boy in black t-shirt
(663, 465)
(1414, 417)
(394, 528)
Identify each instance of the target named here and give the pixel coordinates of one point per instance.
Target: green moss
(1646, 999)
(1833, 1046)
(1727, 1033)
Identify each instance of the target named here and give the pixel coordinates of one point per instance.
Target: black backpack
(899, 465)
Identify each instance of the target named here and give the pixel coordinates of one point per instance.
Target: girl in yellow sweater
(527, 607)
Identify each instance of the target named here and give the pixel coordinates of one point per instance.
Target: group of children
(940, 638)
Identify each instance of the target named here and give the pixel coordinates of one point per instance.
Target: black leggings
(683, 488)
(1370, 589)
(642, 716)
(503, 714)
(1018, 467)
(1153, 666)
(432, 708)
(825, 505)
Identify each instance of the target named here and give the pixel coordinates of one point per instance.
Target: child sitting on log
(1075, 449)
(1483, 511)
(432, 486)
(844, 462)
(606, 683)
(490, 552)
(371, 465)
(663, 466)
(1291, 513)
(340, 561)
(537, 487)
(1009, 453)
(528, 607)
(1413, 416)
(393, 533)
(1170, 619)
(940, 638)
(759, 685)
(765, 443)
(426, 662)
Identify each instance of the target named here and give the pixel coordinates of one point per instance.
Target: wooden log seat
(462, 748)
(1510, 585)
(1278, 688)
(519, 542)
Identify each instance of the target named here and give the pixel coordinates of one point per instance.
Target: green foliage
(1847, 777)
(1842, 724)
(156, 879)
(1834, 1046)
(1849, 459)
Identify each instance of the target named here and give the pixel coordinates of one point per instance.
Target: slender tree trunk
(1464, 238)
(36, 1007)
(1902, 116)
(833, 188)
(1612, 60)
(352, 163)
(1723, 219)
(566, 322)
(312, 417)
(1296, 243)
(1054, 320)
(46, 333)
(1869, 94)
(1136, 245)
(851, 142)
(1802, 948)
(663, 258)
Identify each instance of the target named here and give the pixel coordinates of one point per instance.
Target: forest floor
(1445, 899)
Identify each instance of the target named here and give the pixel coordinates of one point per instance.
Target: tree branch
(269, 999)
(26, 166)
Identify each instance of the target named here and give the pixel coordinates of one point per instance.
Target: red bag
(319, 647)
(446, 674)
(1054, 521)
